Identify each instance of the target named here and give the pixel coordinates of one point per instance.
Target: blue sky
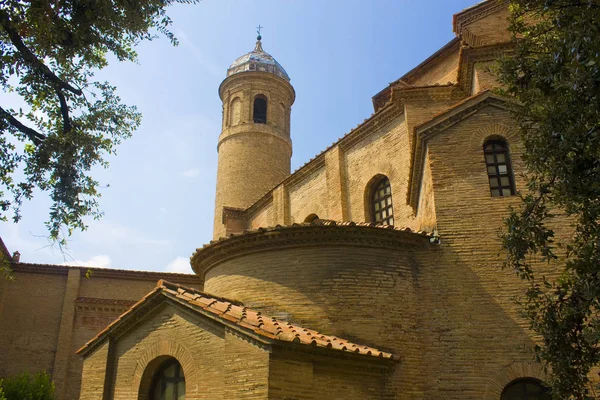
(160, 203)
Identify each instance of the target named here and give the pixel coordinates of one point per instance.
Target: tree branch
(64, 110)
(28, 56)
(33, 135)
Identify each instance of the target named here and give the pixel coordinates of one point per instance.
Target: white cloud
(100, 261)
(192, 172)
(181, 265)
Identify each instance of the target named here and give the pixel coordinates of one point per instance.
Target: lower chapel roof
(234, 315)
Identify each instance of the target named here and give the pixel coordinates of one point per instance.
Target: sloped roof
(236, 316)
(317, 223)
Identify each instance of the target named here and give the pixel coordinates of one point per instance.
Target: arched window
(499, 170)
(382, 210)
(311, 218)
(168, 383)
(526, 389)
(235, 112)
(260, 109)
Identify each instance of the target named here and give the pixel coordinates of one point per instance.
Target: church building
(374, 271)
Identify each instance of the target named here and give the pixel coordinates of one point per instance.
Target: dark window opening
(381, 203)
(526, 389)
(168, 383)
(260, 110)
(499, 170)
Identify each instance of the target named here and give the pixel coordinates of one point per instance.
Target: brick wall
(300, 376)
(49, 311)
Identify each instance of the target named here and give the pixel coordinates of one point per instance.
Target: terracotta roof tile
(320, 222)
(243, 318)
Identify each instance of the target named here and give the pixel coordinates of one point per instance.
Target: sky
(158, 193)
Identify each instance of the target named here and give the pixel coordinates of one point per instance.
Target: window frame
(543, 395)
(158, 378)
(376, 199)
(497, 165)
(264, 98)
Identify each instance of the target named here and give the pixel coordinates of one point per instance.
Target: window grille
(499, 170)
(168, 383)
(381, 203)
(260, 110)
(526, 389)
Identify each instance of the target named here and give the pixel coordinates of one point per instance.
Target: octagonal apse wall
(357, 282)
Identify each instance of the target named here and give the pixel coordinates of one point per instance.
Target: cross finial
(258, 28)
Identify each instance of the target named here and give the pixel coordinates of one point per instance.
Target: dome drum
(322, 276)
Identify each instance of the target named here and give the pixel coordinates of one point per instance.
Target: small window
(168, 383)
(381, 203)
(526, 389)
(499, 170)
(260, 109)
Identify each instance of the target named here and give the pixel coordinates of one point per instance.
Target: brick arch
(311, 208)
(495, 131)
(368, 191)
(510, 373)
(151, 360)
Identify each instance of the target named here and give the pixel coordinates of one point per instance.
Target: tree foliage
(27, 387)
(49, 51)
(554, 73)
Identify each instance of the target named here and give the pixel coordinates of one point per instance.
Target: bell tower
(254, 147)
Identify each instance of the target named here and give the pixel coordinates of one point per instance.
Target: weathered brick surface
(297, 376)
(260, 152)
(94, 374)
(446, 309)
(311, 197)
(55, 325)
(30, 318)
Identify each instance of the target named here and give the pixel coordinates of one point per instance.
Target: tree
(25, 386)
(49, 51)
(554, 73)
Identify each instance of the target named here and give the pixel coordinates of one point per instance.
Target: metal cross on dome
(258, 28)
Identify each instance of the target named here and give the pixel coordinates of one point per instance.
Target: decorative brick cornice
(95, 305)
(53, 269)
(233, 213)
(401, 95)
(314, 165)
(438, 124)
(475, 13)
(469, 56)
(384, 96)
(313, 234)
(244, 78)
(260, 204)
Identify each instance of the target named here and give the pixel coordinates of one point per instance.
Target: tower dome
(257, 60)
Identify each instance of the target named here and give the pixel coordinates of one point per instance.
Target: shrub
(27, 387)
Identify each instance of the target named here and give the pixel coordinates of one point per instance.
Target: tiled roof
(321, 222)
(244, 320)
(56, 269)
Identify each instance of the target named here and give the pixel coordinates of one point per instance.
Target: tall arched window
(260, 109)
(382, 210)
(526, 389)
(168, 383)
(499, 169)
(235, 112)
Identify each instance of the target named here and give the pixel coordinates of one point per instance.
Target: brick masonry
(442, 303)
